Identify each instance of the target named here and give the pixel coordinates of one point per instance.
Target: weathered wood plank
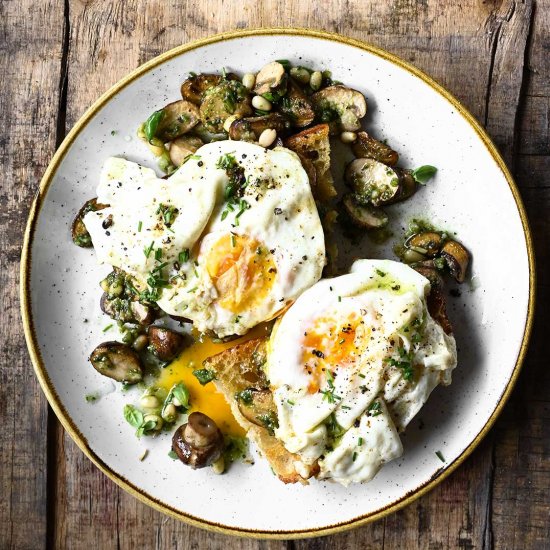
(521, 506)
(30, 61)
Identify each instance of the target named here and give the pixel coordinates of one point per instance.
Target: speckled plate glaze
(472, 194)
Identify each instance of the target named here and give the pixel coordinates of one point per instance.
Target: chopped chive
(290, 402)
(233, 241)
(339, 298)
(158, 254)
(147, 250)
(354, 457)
(360, 442)
(108, 327)
(183, 256)
(346, 407)
(440, 456)
(193, 289)
(140, 225)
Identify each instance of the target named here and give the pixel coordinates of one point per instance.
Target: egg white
(368, 394)
(279, 232)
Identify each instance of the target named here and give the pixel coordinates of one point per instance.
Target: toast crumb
(313, 148)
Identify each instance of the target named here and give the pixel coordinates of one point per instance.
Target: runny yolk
(206, 399)
(243, 271)
(327, 345)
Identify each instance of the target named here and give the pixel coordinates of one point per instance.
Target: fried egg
(350, 364)
(224, 253)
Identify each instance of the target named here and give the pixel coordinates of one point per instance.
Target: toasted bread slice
(313, 147)
(238, 369)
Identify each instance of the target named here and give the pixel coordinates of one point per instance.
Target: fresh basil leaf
(181, 393)
(149, 425)
(424, 174)
(133, 416)
(152, 123)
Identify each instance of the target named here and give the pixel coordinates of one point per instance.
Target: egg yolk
(328, 344)
(242, 270)
(206, 399)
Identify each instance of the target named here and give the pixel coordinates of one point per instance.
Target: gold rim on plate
(42, 374)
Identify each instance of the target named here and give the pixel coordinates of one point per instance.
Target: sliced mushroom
(427, 243)
(457, 258)
(296, 106)
(436, 300)
(79, 233)
(366, 146)
(143, 314)
(364, 216)
(181, 148)
(205, 135)
(179, 117)
(228, 98)
(254, 404)
(194, 87)
(165, 343)
(271, 81)
(407, 185)
(250, 129)
(117, 361)
(373, 182)
(198, 443)
(115, 283)
(180, 319)
(341, 107)
(116, 308)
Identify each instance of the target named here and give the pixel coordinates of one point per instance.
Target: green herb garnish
(152, 123)
(440, 456)
(204, 376)
(183, 256)
(168, 213)
(404, 363)
(245, 396)
(374, 409)
(424, 174)
(147, 250)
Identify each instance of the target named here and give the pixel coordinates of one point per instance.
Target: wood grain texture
(28, 115)
(475, 48)
(522, 452)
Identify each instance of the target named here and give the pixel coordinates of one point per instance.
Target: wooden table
(57, 58)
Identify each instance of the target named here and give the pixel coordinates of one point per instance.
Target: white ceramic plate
(473, 194)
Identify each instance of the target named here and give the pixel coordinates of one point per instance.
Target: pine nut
(228, 121)
(348, 137)
(261, 103)
(218, 467)
(140, 342)
(176, 402)
(267, 137)
(249, 79)
(149, 402)
(411, 256)
(316, 80)
(169, 413)
(301, 75)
